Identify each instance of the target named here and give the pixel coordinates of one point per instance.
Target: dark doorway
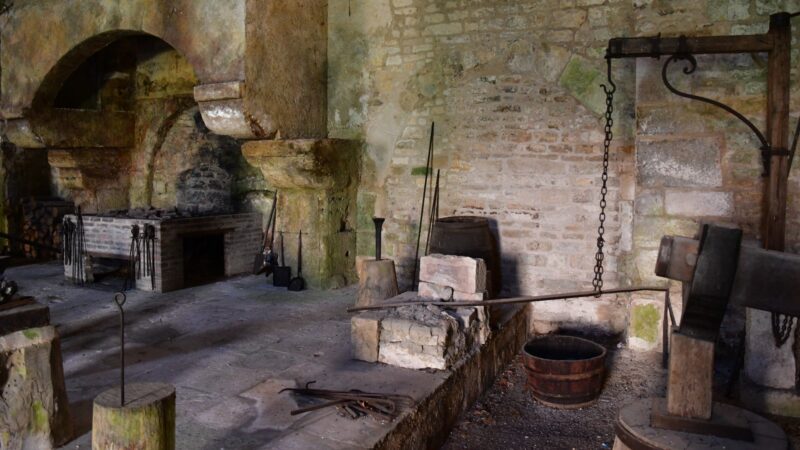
(203, 259)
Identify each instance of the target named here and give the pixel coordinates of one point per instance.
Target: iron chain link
(599, 257)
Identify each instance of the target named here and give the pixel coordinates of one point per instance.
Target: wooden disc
(634, 432)
(145, 422)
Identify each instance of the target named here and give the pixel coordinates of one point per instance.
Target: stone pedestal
(33, 399)
(316, 181)
(377, 281)
(769, 371)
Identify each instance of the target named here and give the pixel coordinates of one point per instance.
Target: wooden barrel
(563, 371)
(469, 236)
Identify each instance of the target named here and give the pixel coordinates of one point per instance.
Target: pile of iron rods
(354, 403)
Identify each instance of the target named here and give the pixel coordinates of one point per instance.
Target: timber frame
(776, 43)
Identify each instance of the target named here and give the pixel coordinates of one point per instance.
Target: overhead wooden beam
(657, 46)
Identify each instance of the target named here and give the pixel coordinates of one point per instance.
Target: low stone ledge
(429, 422)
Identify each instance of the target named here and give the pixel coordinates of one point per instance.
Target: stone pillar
(317, 183)
(769, 371)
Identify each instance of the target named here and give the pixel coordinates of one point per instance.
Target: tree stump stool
(377, 282)
(34, 411)
(145, 422)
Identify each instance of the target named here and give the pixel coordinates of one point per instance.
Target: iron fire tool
(75, 246)
(134, 258)
(428, 168)
(298, 283)
(282, 274)
(265, 258)
(354, 403)
(434, 214)
(378, 221)
(150, 253)
(119, 300)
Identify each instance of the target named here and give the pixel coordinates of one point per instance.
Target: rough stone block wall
(513, 88)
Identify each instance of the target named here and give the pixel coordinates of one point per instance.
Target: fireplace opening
(203, 259)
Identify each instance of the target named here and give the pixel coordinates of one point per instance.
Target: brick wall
(514, 90)
(111, 236)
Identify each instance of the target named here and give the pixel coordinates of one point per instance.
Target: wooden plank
(690, 377)
(33, 315)
(648, 46)
(773, 225)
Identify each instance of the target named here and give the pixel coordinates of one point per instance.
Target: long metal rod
(432, 217)
(428, 164)
(119, 299)
(513, 300)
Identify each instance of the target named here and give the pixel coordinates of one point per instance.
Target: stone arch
(53, 81)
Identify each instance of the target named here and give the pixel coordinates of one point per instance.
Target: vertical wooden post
(773, 225)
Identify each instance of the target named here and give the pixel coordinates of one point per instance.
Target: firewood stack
(41, 222)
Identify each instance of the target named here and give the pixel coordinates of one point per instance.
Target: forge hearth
(189, 251)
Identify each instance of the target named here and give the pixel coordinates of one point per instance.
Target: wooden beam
(773, 218)
(657, 46)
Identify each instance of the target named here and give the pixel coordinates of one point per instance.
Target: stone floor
(228, 347)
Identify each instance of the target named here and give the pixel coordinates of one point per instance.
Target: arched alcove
(123, 130)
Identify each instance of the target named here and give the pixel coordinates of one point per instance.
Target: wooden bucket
(564, 372)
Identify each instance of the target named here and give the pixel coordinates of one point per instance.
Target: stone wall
(514, 90)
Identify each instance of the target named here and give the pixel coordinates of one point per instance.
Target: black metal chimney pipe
(378, 230)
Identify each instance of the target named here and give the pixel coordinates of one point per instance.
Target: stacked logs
(41, 223)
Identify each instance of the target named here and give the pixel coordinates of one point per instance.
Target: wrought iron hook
(766, 149)
(613, 85)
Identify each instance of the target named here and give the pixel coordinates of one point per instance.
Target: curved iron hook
(608, 76)
(688, 70)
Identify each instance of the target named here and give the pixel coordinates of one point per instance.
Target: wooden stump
(378, 282)
(34, 411)
(145, 422)
(690, 377)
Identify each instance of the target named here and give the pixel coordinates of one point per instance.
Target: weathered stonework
(33, 399)
(316, 181)
(245, 46)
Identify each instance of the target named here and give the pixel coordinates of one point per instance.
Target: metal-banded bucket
(564, 372)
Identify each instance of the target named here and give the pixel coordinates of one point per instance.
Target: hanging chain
(609, 89)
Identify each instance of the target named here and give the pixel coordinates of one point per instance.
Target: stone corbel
(20, 133)
(223, 109)
(72, 129)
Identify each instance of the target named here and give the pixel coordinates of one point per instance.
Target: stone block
(469, 296)
(692, 162)
(699, 204)
(644, 326)
(365, 331)
(461, 273)
(433, 291)
(764, 363)
(421, 337)
(33, 402)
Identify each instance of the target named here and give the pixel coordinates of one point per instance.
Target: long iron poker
(428, 168)
(513, 300)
